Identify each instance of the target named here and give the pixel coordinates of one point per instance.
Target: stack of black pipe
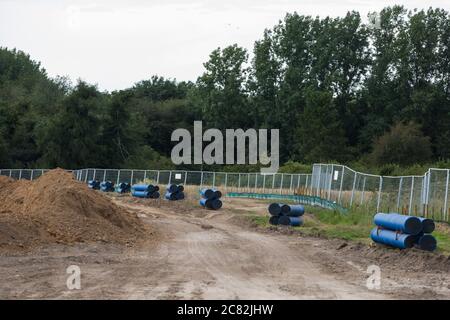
(107, 186)
(145, 191)
(94, 184)
(174, 192)
(211, 199)
(286, 214)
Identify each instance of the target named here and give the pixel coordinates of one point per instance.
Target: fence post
(281, 184)
(248, 181)
(214, 179)
(399, 193)
(379, 193)
(132, 176)
(170, 176)
(10, 173)
(306, 183)
(428, 190)
(318, 181)
(201, 179)
(226, 182)
(292, 180)
(157, 178)
(20, 174)
(363, 190)
(104, 175)
(145, 175)
(31, 176)
(353, 189)
(446, 196)
(264, 183)
(256, 181)
(411, 196)
(185, 177)
(341, 184)
(239, 182)
(331, 181)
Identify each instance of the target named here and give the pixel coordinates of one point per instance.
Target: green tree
(71, 138)
(221, 89)
(403, 144)
(320, 136)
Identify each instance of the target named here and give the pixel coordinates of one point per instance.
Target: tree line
(339, 89)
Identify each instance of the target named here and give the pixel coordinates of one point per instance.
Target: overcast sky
(117, 43)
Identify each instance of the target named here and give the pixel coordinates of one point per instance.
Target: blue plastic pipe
(275, 209)
(140, 194)
(392, 238)
(155, 195)
(144, 187)
(179, 195)
(428, 225)
(427, 242)
(295, 210)
(205, 202)
(290, 221)
(214, 204)
(398, 222)
(207, 193)
(170, 196)
(273, 220)
(172, 188)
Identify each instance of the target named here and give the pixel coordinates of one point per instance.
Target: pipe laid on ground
(172, 188)
(427, 242)
(392, 238)
(274, 220)
(213, 204)
(179, 195)
(170, 196)
(290, 221)
(398, 222)
(155, 195)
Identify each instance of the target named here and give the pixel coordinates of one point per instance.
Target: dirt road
(200, 255)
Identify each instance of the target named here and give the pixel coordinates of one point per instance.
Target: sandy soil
(202, 254)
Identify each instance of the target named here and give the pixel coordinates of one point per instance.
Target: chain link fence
(425, 195)
(280, 183)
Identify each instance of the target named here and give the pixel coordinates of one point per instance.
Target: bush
(403, 144)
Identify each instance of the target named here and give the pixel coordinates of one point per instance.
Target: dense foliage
(337, 88)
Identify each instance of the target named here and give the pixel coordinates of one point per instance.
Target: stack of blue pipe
(210, 199)
(107, 186)
(402, 231)
(94, 184)
(286, 214)
(174, 192)
(145, 191)
(123, 187)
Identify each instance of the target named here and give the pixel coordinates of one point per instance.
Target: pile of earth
(55, 208)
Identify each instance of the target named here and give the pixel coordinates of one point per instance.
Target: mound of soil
(55, 208)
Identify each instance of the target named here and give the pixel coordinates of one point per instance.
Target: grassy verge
(353, 226)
